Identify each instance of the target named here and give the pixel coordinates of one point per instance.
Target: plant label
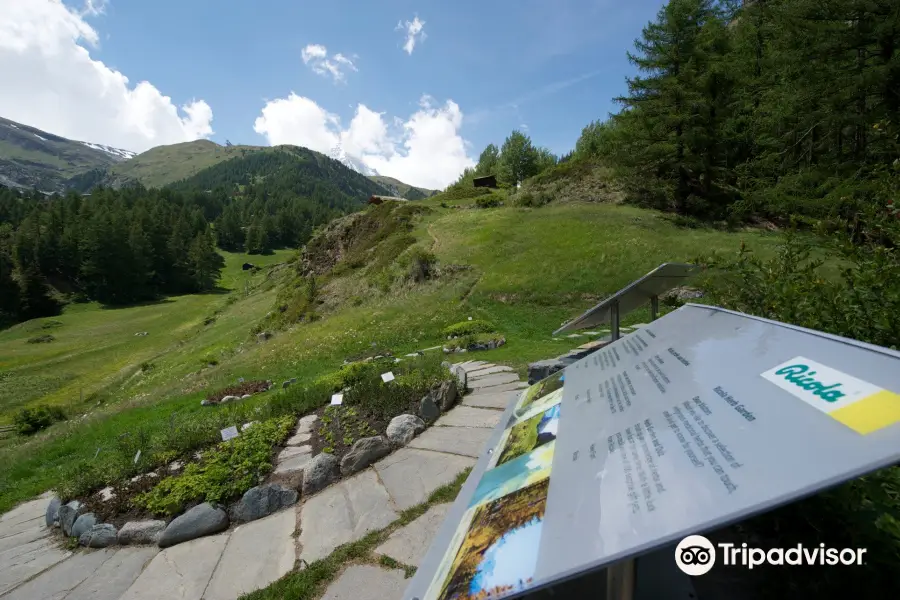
(337, 399)
(386, 377)
(229, 433)
(137, 457)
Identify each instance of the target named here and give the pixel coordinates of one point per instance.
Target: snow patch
(117, 152)
(39, 137)
(338, 154)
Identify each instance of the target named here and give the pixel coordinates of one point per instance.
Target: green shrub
(489, 201)
(412, 380)
(31, 420)
(226, 471)
(469, 340)
(469, 327)
(418, 264)
(41, 339)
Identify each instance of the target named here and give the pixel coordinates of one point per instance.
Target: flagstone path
(33, 565)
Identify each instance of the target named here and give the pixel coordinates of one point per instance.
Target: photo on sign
(539, 391)
(514, 475)
(498, 554)
(529, 432)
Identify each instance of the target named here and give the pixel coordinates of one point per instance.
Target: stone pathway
(253, 555)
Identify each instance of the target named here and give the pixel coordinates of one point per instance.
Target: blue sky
(548, 66)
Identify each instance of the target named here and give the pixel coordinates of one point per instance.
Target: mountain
(338, 154)
(31, 158)
(403, 190)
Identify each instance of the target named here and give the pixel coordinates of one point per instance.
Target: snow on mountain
(338, 154)
(117, 152)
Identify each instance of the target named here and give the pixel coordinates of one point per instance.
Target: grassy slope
(163, 165)
(402, 189)
(532, 269)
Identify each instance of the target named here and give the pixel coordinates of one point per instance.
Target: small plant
(146, 366)
(490, 201)
(51, 324)
(41, 339)
(31, 420)
(469, 328)
(328, 450)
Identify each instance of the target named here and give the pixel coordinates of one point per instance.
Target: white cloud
(51, 82)
(415, 33)
(425, 150)
(316, 56)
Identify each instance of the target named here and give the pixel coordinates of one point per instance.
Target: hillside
(32, 158)
(400, 189)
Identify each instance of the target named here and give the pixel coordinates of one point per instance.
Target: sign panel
(655, 283)
(229, 433)
(700, 419)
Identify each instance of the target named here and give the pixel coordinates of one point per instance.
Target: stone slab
(25, 511)
(22, 563)
(12, 528)
(257, 554)
(292, 451)
(298, 439)
(36, 530)
(367, 582)
(181, 572)
(473, 365)
(494, 379)
(305, 424)
(410, 475)
(467, 416)
(488, 370)
(410, 543)
(468, 441)
(295, 463)
(115, 575)
(56, 582)
(343, 513)
(496, 400)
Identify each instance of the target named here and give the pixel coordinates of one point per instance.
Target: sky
(412, 90)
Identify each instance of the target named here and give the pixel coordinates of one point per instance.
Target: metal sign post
(701, 419)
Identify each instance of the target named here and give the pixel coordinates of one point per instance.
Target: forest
(134, 244)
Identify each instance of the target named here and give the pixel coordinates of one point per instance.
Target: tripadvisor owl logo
(804, 376)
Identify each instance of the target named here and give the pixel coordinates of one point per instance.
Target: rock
(444, 395)
(106, 494)
(98, 536)
(141, 532)
(320, 472)
(228, 399)
(544, 368)
(52, 515)
(364, 452)
(262, 337)
(175, 465)
(245, 396)
(203, 519)
(428, 410)
(488, 345)
(461, 375)
(67, 515)
(263, 500)
(285, 385)
(682, 294)
(205, 402)
(402, 429)
(83, 524)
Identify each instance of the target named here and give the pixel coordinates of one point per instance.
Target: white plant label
(386, 377)
(337, 399)
(229, 433)
(137, 457)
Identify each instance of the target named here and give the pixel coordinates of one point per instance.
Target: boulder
(285, 385)
(141, 532)
(293, 380)
(263, 500)
(67, 515)
(682, 294)
(228, 399)
(444, 395)
(544, 368)
(245, 396)
(203, 519)
(98, 536)
(402, 429)
(320, 472)
(363, 453)
(262, 337)
(83, 524)
(52, 515)
(428, 410)
(461, 375)
(206, 402)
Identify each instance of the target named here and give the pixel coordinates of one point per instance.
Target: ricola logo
(818, 385)
(803, 376)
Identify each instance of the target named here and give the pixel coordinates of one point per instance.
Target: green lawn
(530, 271)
